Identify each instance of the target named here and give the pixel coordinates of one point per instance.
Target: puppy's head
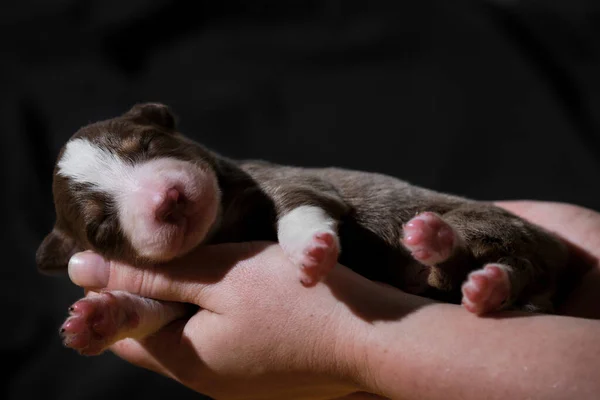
(132, 189)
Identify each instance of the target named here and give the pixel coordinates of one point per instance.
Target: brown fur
(372, 209)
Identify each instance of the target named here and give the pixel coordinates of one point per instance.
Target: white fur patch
(86, 163)
(297, 227)
(137, 189)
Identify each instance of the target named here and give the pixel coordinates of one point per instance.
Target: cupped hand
(258, 333)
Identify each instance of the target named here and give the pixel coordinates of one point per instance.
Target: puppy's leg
(498, 260)
(436, 243)
(516, 263)
(101, 319)
(308, 235)
(507, 284)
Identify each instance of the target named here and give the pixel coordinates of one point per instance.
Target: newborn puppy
(134, 189)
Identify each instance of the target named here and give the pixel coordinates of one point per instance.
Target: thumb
(190, 279)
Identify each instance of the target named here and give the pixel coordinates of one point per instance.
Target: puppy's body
(373, 210)
(133, 189)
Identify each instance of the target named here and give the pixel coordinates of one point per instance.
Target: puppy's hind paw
(486, 289)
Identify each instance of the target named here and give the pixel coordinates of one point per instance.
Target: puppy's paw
(486, 289)
(95, 322)
(316, 254)
(429, 238)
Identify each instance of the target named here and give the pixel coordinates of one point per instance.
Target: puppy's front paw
(486, 289)
(95, 322)
(316, 254)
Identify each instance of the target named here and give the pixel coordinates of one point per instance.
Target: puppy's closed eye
(139, 147)
(158, 144)
(101, 225)
(149, 143)
(104, 233)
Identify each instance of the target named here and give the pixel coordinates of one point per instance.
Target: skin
(260, 334)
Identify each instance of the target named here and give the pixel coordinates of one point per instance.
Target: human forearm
(440, 351)
(260, 332)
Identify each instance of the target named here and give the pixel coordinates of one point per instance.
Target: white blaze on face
(137, 189)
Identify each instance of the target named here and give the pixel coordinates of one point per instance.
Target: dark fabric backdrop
(487, 99)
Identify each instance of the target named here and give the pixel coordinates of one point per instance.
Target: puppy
(134, 189)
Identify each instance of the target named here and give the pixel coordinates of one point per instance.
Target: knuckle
(141, 281)
(147, 282)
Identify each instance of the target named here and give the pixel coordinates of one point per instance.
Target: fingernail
(88, 270)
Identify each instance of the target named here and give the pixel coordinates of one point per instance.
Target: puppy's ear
(153, 113)
(54, 252)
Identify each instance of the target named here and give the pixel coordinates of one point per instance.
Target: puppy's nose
(171, 206)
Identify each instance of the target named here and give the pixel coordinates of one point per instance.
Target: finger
(134, 352)
(168, 352)
(189, 279)
(551, 215)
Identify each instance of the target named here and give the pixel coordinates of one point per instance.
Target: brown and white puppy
(134, 189)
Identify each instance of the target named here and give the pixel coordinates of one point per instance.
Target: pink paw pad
(486, 289)
(429, 238)
(318, 257)
(93, 324)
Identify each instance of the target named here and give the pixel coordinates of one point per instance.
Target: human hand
(259, 334)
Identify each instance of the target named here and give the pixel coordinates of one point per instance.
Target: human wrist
(377, 353)
(367, 329)
(368, 356)
(339, 345)
(346, 348)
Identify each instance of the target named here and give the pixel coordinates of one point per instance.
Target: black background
(487, 99)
